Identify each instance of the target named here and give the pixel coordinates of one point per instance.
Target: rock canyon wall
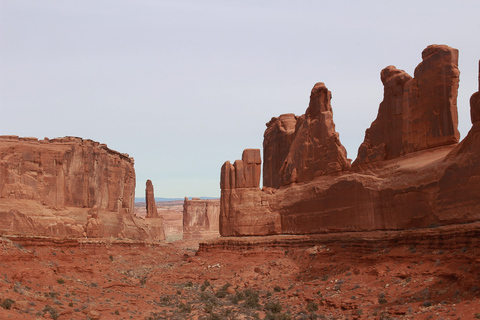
(410, 172)
(201, 218)
(67, 187)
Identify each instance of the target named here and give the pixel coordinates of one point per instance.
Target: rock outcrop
(242, 206)
(416, 113)
(201, 218)
(150, 201)
(67, 187)
(298, 149)
(410, 171)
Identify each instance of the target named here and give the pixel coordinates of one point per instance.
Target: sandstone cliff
(410, 171)
(201, 218)
(416, 113)
(299, 149)
(47, 187)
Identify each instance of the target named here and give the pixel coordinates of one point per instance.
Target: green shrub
(60, 281)
(277, 289)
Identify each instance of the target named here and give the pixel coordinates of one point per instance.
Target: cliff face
(416, 113)
(66, 172)
(299, 149)
(68, 187)
(201, 219)
(410, 171)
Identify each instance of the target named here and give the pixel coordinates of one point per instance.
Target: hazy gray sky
(183, 86)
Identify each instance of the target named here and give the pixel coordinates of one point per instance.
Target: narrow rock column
(150, 201)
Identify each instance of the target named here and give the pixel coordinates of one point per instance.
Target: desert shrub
(187, 308)
(237, 297)
(208, 307)
(153, 316)
(221, 294)
(251, 300)
(312, 306)
(53, 312)
(204, 285)
(7, 304)
(208, 296)
(51, 294)
(189, 284)
(278, 316)
(427, 303)
(213, 316)
(60, 281)
(273, 307)
(277, 289)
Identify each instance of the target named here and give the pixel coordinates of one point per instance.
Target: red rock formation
(243, 207)
(66, 172)
(458, 189)
(393, 188)
(94, 227)
(150, 201)
(276, 145)
(201, 218)
(415, 114)
(47, 188)
(316, 149)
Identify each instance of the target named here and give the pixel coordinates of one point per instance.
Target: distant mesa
(201, 218)
(410, 172)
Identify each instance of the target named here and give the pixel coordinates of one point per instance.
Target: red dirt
(414, 274)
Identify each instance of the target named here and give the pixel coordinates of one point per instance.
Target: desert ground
(414, 274)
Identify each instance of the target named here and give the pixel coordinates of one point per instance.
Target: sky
(183, 86)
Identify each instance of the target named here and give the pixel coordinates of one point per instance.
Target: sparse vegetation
(7, 304)
(52, 311)
(312, 306)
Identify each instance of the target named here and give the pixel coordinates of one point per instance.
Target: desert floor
(98, 279)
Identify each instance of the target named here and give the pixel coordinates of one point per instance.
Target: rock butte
(410, 171)
(68, 187)
(200, 218)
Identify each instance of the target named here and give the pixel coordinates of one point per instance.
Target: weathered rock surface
(416, 113)
(150, 201)
(201, 218)
(277, 140)
(315, 149)
(242, 210)
(50, 187)
(413, 176)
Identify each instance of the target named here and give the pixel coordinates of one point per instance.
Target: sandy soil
(336, 279)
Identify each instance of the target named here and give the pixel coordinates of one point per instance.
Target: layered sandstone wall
(416, 113)
(410, 171)
(201, 218)
(66, 172)
(298, 149)
(68, 187)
